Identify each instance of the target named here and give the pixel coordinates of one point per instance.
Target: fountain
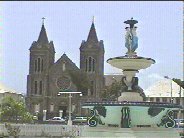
(131, 113)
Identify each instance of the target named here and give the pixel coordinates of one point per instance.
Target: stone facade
(47, 77)
(92, 61)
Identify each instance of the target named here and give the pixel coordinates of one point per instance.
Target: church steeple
(43, 35)
(92, 36)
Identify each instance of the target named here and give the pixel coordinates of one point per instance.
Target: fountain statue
(131, 39)
(131, 64)
(131, 110)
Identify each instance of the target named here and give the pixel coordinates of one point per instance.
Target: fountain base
(129, 114)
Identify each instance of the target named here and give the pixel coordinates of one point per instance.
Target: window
(42, 66)
(92, 87)
(35, 65)
(177, 100)
(157, 99)
(90, 63)
(93, 64)
(86, 65)
(151, 99)
(38, 64)
(164, 99)
(64, 66)
(35, 87)
(40, 87)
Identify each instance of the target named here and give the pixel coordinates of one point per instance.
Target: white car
(179, 123)
(57, 119)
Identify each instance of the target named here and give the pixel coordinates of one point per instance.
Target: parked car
(80, 120)
(57, 120)
(179, 123)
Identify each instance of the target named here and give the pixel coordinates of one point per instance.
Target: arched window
(42, 66)
(35, 86)
(86, 65)
(93, 65)
(40, 88)
(35, 65)
(38, 64)
(90, 61)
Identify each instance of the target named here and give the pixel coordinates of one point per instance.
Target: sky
(160, 33)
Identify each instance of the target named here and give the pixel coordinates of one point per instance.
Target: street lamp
(70, 103)
(171, 87)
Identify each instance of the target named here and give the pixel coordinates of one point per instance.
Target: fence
(45, 130)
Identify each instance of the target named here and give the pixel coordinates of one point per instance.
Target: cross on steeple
(43, 20)
(93, 19)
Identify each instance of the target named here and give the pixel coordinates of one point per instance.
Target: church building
(47, 77)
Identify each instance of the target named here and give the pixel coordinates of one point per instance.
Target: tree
(112, 91)
(179, 82)
(80, 79)
(14, 111)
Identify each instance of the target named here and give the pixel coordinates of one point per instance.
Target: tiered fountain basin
(149, 114)
(130, 63)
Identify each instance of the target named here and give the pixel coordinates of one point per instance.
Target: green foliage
(179, 82)
(80, 79)
(14, 111)
(112, 91)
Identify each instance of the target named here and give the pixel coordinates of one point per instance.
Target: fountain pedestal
(130, 65)
(130, 96)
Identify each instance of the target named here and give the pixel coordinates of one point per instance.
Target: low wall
(110, 132)
(56, 131)
(45, 130)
